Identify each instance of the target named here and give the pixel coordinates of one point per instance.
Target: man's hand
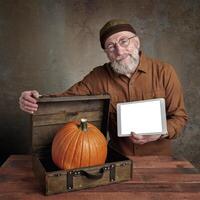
(28, 102)
(142, 139)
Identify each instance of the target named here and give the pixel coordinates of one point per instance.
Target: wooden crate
(52, 114)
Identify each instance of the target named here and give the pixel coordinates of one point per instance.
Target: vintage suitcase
(52, 114)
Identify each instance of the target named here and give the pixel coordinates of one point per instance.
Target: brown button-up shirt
(152, 79)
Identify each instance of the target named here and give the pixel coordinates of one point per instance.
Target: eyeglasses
(124, 42)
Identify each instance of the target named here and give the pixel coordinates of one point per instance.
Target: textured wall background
(49, 45)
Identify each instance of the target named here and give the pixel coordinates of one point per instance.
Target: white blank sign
(146, 117)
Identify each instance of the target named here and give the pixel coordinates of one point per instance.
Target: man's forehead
(118, 35)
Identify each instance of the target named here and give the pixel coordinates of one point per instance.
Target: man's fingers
(28, 96)
(35, 94)
(142, 139)
(26, 109)
(138, 141)
(136, 136)
(26, 103)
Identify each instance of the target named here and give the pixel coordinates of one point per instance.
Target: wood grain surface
(154, 178)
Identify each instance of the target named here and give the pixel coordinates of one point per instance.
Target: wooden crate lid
(54, 112)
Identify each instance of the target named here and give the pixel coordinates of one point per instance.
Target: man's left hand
(142, 139)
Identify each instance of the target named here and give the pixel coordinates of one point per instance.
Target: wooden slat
(103, 196)
(149, 187)
(50, 98)
(43, 135)
(64, 117)
(74, 106)
(159, 162)
(168, 171)
(165, 178)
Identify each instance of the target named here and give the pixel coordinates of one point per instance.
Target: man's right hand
(28, 101)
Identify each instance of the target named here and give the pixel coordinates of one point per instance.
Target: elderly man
(129, 76)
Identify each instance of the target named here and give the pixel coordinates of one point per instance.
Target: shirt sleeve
(92, 84)
(176, 113)
(80, 88)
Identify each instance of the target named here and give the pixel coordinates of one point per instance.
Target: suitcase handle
(96, 176)
(111, 170)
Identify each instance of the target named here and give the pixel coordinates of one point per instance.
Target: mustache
(133, 55)
(121, 57)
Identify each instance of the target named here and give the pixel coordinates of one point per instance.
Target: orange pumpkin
(79, 145)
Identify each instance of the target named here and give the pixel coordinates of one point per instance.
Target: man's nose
(119, 50)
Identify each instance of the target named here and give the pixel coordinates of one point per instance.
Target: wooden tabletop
(154, 178)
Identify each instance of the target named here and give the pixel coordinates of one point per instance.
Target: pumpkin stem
(84, 124)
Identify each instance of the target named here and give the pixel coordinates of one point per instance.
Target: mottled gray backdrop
(50, 44)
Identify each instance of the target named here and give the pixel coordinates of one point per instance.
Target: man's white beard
(129, 68)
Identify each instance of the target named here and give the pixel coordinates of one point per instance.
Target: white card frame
(150, 112)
